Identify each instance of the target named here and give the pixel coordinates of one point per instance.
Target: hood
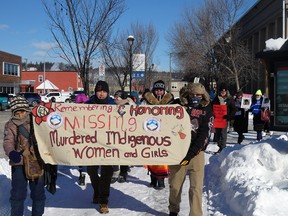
(188, 90)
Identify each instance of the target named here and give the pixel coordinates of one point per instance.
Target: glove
(15, 156)
(185, 161)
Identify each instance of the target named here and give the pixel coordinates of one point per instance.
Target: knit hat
(102, 86)
(118, 93)
(258, 92)
(159, 85)
(223, 87)
(197, 88)
(19, 103)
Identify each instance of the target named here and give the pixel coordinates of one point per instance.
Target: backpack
(265, 115)
(32, 162)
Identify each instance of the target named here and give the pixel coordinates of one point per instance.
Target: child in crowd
(14, 145)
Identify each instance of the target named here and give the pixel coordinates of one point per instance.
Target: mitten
(15, 156)
(186, 160)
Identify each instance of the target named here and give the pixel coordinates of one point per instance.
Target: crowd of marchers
(198, 103)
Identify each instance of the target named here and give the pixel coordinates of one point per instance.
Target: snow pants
(177, 177)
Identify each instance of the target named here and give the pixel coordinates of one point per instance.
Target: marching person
(120, 173)
(224, 98)
(158, 96)
(258, 124)
(100, 184)
(14, 144)
(196, 101)
(241, 118)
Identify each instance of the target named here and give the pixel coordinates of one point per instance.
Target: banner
(94, 134)
(220, 111)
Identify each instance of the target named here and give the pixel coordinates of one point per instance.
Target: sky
(24, 32)
(243, 180)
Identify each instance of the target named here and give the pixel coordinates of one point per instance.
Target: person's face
(223, 93)
(101, 94)
(159, 92)
(21, 114)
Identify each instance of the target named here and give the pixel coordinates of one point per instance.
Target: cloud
(3, 26)
(45, 46)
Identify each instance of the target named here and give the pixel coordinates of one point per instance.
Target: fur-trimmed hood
(194, 88)
(151, 99)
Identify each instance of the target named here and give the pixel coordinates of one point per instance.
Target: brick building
(64, 80)
(10, 72)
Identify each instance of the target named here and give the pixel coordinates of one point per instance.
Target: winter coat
(13, 140)
(241, 118)
(229, 102)
(255, 108)
(150, 99)
(81, 98)
(201, 119)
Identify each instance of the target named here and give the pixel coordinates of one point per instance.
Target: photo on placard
(246, 101)
(266, 102)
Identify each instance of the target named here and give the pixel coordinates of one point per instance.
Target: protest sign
(265, 102)
(220, 111)
(246, 101)
(94, 134)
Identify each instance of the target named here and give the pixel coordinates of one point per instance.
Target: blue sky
(24, 32)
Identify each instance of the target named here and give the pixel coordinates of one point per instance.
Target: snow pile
(274, 44)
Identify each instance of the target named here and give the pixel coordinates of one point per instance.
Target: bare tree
(79, 27)
(200, 38)
(116, 52)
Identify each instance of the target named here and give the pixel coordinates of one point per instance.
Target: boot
(153, 181)
(82, 179)
(122, 178)
(161, 183)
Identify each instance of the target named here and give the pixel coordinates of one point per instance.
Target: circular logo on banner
(54, 120)
(152, 124)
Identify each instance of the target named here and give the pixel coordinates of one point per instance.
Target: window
(11, 69)
(40, 78)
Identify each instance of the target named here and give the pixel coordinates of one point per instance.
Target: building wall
(262, 22)
(9, 83)
(64, 80)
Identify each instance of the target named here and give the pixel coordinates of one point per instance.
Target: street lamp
(130, 40)
(170, 74)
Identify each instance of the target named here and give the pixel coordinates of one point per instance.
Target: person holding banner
(101, 184)
(196, 100)
(158, 96)
(14, 145)
(241, 117)
(120, 173)
(223, 104)
(256, 106)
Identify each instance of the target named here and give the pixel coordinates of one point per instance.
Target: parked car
(3, 101)
(10, 97)
(58, 97)
(33, 98)
(74, 94)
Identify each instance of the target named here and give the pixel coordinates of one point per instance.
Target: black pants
(101, 184)
(221, 137)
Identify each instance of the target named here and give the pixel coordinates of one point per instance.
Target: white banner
(93, 134)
